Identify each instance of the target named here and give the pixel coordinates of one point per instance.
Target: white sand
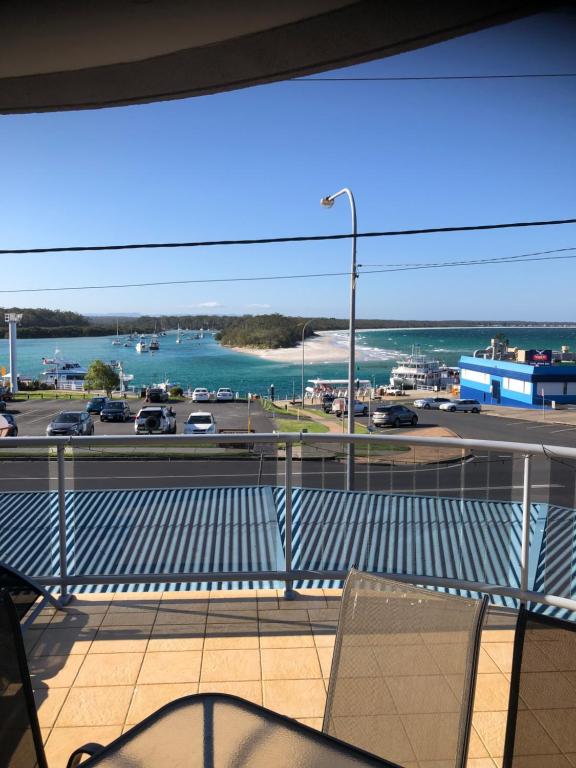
(325, 347)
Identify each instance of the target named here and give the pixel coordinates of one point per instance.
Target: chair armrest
(86, 749)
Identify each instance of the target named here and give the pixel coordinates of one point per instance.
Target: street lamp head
(327, 202)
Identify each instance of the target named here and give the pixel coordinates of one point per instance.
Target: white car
(200, 423)
(200, 395)
(340, 407)
(431, 402)
(462, 405)
(224, 395)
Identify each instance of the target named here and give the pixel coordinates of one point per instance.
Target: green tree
(101, 376)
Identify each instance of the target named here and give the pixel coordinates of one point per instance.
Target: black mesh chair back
(23, 592)
(403, 672)
(541, 728)
(20, 737)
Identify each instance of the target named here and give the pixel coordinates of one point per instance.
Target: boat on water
(178, 335)
(63, 374)
(141, 346)
(128, 342)
(154, 346)
(418, 371)
(116, 342)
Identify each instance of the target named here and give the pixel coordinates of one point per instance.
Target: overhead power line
(416, 78)
(293, 239)
(536, 256)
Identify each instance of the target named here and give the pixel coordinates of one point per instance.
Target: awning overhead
(78, 54)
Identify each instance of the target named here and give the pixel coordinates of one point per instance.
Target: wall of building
(501, 382)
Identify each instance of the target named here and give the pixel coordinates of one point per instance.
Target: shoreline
(325, 347)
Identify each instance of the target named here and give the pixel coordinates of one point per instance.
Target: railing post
(64, 596)
(288, 591)
(526, 508)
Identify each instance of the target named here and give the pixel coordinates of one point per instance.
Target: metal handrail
(288, 575)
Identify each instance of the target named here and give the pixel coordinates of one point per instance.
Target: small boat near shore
(141, 346)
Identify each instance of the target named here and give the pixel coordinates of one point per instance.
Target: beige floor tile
(491, 727)
(134, 606)
(31, 637)
(324, 633)
(90, 603)
(485, 664)
(325, 656)
(64, 642)
(480, 762)
(422, 694)
(303, 602)
(267, 599)
(45, 732)
(372, 733)
(187, 596)
(49, 702)
(63, 741)
(405, 659)
(109, 669)
(224, 616)
(95, 706)
(312, 722)
(476, 746)
(451, 658)
(230, 636)
(320, 615)
(560, 725)
(230, 665)
(130, 618)
(432, 736)
(492, 693)
(290, 664)
(295, 698)
(494, 635)
(224, 604)
(299, 617)
(277, 635)
(77, 619)
(176, 637)
(501, 655)
(229, 594)
(148, 698)
(54, 671)
(246, 689)
(120, 640)
(172, 613)
(130, 598)
(170, 667)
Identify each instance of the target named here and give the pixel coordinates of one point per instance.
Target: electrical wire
(293, 239)
(518, 259)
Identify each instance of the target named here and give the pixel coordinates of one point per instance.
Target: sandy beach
(324, 347)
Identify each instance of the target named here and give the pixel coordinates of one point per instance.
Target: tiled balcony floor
(113, 659)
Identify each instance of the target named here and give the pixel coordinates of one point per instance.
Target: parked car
(156, 395)
(8, 426)
(394, 416)
(394, 391)
(116, 410)
(96, 404)
(224, 395)
(462, 405)
(200, 423)
(431, 402)
(71, 423)
(327, 400)
(200, 395)
(340, 407)
(155, 418)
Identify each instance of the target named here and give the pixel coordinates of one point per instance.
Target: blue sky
(254, 163)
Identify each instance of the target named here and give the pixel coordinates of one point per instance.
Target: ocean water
(202, 362)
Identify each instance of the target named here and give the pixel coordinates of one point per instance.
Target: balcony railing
(457, 514)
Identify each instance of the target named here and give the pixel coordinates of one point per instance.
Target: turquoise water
(203, 362)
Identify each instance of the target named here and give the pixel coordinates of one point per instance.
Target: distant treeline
(260, 331)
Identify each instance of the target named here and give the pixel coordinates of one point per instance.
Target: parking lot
(33, 416)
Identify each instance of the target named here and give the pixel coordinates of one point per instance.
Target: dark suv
(394, 416)
(327, 400)
(115, 410)
(156, 395)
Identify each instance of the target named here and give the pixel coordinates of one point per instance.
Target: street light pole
(307, 323)
(328, 202)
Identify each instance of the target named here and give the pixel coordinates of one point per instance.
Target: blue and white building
(536, 381)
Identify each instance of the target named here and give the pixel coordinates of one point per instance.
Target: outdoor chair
(23, 590)
(203, 731)
(404, 670)
(541, 728)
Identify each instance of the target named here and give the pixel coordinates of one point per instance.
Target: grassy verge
(290, 425)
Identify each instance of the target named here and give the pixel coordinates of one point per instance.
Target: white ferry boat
(417, 371)
(63, 374)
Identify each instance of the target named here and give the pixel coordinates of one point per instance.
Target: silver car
(431, 402)
(472, 406)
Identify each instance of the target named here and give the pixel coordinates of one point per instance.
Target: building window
(476, 376)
